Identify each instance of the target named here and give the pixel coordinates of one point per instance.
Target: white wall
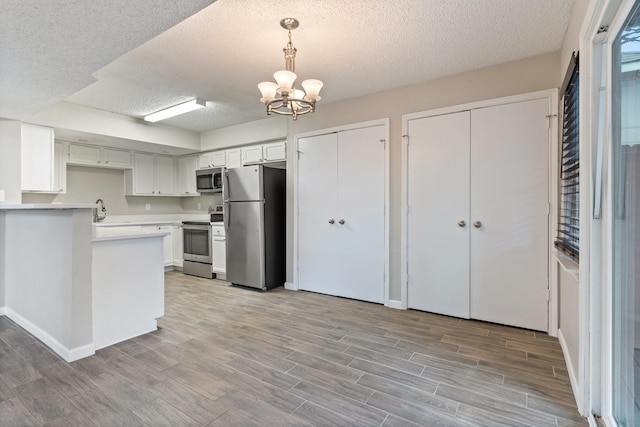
(10, 169)
(270, 128)
(87, 184)
(568, 286)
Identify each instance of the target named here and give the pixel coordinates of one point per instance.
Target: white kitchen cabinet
(341, 215)
(141, 180)
(116, 158)
(92, 155)
(213, 159)
(151, 175)
(274, 152)
(168, 244)
(187, 175)
(234, 158)
(60, 167)
(165, 175)
(477, 224)
(252, 155)
(219, 251)
(178, 245)
(37, 158)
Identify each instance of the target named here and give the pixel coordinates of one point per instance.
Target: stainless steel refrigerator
(255, 225)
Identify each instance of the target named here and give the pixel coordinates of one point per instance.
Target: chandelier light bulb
(268, 91)
(285, 80)
(312, 88)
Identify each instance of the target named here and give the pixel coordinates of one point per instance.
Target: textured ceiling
(356, 47)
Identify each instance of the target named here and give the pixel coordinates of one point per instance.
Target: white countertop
(125, 220)
(45, 206)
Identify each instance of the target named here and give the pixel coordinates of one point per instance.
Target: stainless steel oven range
(197, 257)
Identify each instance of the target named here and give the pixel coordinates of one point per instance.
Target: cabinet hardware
(341, 221)
(477, 224)
(462, 223)
(332, 221)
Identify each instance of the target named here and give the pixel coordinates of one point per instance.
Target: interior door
(359, 245)
(438, 229)
(317, 208)
(509, 196)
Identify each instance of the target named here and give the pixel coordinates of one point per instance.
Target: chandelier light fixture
(282, 97)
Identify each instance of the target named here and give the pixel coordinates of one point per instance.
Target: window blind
(568, 237)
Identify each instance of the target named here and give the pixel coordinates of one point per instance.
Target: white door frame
(552, 96)
(378, 122)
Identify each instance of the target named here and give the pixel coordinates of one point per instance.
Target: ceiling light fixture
(176, 110)
(282, 97)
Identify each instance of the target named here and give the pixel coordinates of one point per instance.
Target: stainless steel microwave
(209, 180)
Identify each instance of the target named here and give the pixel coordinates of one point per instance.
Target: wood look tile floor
(227, 356)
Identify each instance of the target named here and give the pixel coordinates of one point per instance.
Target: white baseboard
(290, 286)
(567, 357)
(393, 303)
(3, 311)
(67, 354)
(592, 421)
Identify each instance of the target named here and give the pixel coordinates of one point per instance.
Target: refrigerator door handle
(225, 216)
(225, 186)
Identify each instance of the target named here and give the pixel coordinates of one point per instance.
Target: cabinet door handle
(477, 224)
(332, 221)
(341, 221)
(462, 223)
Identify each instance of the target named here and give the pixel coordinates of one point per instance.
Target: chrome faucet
(97, 217)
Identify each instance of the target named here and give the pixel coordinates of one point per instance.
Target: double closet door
(477, 225)
(341, 224)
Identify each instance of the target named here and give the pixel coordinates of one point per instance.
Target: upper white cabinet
(187, 175)
(60, 167)
(165, 175)
(252, 155)
(37, 159)
(214, 159)
(234, 158)
(91, 155)
(274, 152)
(152, 175)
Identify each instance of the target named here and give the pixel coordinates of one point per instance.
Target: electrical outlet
(199, 205)
(147, 207)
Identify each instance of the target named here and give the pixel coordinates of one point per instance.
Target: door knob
(341, 221)
(332, 221)
(462, 223)
(477, 224)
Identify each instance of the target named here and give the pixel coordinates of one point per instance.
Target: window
(568, 237)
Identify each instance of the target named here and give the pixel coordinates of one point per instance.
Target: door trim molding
(552, 96)
(384, 122)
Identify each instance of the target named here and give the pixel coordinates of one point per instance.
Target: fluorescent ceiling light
(176, 110)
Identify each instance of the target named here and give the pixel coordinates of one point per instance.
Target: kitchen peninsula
(58, 279)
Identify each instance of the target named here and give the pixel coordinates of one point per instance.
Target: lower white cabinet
(168, 244)
(178, 245)
(219, 251)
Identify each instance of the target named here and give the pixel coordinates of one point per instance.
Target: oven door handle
(195, 227)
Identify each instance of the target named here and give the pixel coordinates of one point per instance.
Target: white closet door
(438, 198)
(359, 244)
(509, 196)
(317, 204)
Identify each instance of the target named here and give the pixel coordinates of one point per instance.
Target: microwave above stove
(209, 180)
